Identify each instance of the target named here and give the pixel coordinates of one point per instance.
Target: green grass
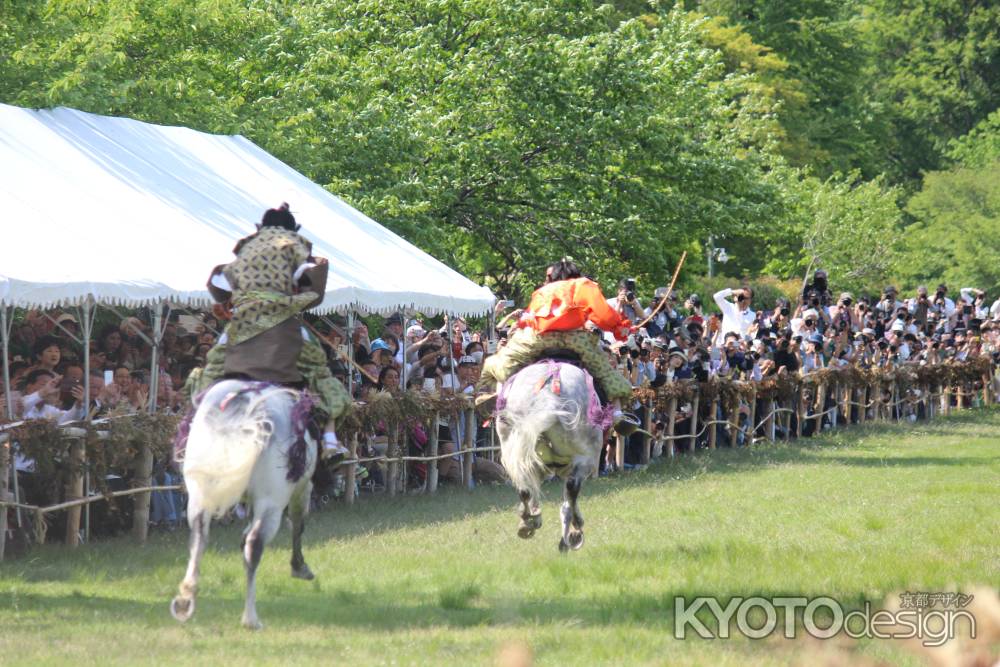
(855, 515)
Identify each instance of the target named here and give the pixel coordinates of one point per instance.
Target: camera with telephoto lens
(630, 288)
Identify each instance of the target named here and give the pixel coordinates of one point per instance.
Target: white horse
(550, 422)
(246, 438)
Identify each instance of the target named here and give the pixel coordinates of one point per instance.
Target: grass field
(437, 580)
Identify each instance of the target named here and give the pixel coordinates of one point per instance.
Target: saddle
(317, 416)
(568, 356)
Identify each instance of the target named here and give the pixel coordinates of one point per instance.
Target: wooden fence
(778, 405)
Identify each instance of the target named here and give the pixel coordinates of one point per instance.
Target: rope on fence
(465, 452)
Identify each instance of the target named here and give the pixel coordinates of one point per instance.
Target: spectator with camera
(817, 293)
(626, 303)
(842, 317)
(737, 317)
(46, 392)
(667, 317)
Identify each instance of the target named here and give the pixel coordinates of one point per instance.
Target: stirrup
(330, 451)
(486, 401)
(626, 424)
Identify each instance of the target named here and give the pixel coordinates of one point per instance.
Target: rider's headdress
(280, 217)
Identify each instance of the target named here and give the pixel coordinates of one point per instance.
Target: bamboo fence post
(74, 491)
(786, 418)
(752, 422)
(863, 404)
(647, 440)
(818, 405)
(772, 414)
(713, 430)
(469, 443)
(671, 424)
(693, 442)
(946, 399)
(799, 400)
(143, 477)
(733, 417)
(4, 481)
(350, 478)
(838, 399)
(392, 469)
(432, 465)
(619, 452)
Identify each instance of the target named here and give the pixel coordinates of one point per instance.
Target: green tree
(495, 135)
(957, 215)
(830, 122)
(936, 74)
(846, 226)
(981, 146)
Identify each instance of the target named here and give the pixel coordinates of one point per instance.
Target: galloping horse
(246, 437)
(550, 421)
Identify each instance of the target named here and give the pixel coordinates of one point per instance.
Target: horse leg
(266, 522)
(572, 520)
(297, 510)
(182, 606)
(531, 515)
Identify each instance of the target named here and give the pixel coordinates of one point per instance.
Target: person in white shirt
(977, 299)
(45, 391)
(736, 317)
(945, 306)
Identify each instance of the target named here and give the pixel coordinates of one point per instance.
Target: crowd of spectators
(747, 340)
(680, 339)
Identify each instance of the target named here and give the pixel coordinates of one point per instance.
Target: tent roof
(132, 213)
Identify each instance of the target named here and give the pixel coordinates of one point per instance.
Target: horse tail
(529, 421)
(230, 430)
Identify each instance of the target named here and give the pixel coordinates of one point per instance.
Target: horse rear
(549, 422)
(243, 440)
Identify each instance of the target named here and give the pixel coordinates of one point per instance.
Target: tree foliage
(499, 134)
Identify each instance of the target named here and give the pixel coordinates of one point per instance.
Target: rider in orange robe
(556, 318)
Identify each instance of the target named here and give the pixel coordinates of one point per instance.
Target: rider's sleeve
(313, 279)
(599, 312)
(218, 285)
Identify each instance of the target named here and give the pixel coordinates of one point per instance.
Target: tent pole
(5, 329)
(86, 313)
(5, 452)
(402, 346)
(350, 353)
(154, 371)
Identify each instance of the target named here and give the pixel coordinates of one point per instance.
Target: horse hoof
(252, 624)
(303, 573)
(563, 547)
(182, 608)
(575, 540)
(526, 532)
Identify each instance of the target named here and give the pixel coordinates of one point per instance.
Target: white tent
(133, 213)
